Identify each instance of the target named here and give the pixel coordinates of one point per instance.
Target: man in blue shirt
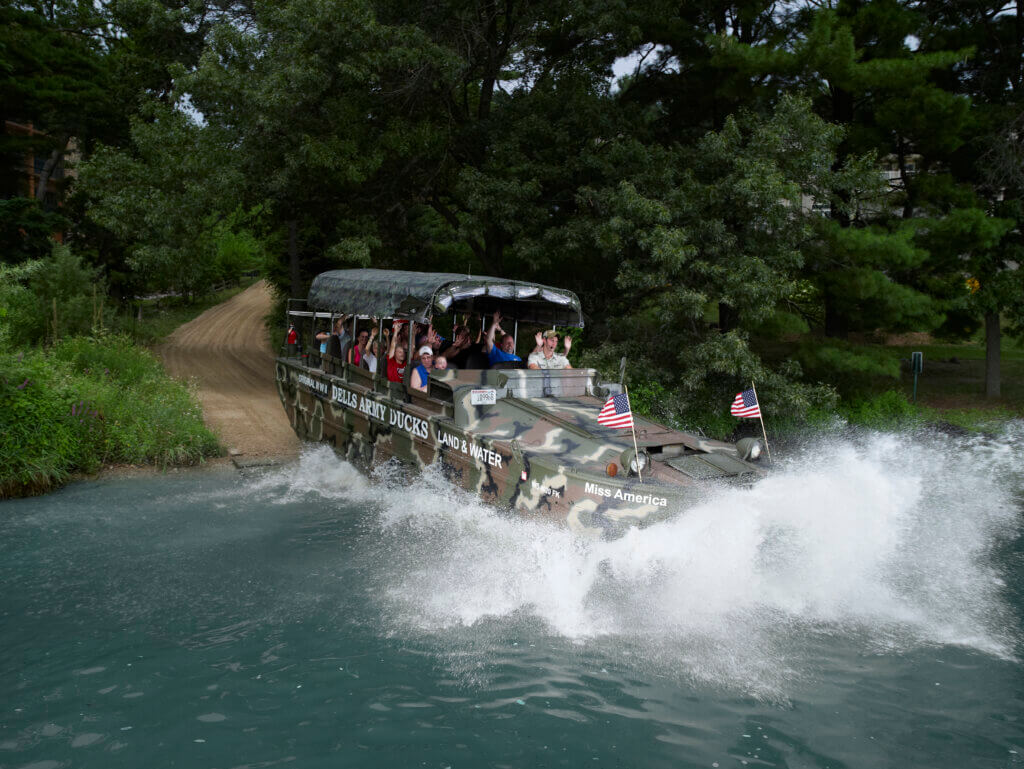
(505, 350)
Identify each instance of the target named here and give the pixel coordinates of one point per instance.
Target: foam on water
(318, 473)
(889, 541)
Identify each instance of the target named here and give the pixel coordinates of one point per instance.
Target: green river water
(860, 608)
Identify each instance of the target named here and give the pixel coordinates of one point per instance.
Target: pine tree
(985, 183)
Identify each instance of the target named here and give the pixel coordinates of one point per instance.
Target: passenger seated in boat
(370, 352)
(422, 371)
(331, 340)
(457, 351)
(544, 355)
(396, 357)
(471, 353)
(505, 350)
(338, 341)
(356, 352)
(322, 336)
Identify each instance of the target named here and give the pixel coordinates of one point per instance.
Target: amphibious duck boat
(526, 440)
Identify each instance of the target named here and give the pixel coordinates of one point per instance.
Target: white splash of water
(317, 473)
(888, 541)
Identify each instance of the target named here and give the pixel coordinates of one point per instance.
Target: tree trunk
(992, 339)
(293, 257)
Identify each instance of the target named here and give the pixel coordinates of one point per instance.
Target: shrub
(31, 292)
(852, 369)
(886, 411)
(20, 320)
(69, 294)
(88, 402)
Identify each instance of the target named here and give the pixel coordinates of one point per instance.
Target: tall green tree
(54, 81)
(165, 196)
(985, 180)
(859, 64)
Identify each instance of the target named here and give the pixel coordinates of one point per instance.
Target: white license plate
(483, 397)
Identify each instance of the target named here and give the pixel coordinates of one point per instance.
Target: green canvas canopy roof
(420, 295)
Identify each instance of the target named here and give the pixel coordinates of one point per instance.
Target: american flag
(745, 405)
(615, 412)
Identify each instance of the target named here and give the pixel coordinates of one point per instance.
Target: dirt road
(226, 351)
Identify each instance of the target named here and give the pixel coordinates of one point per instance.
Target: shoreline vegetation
(731, 195)
(100, 402)
(87, 402)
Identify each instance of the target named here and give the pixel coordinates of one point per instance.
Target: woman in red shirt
(396, 355)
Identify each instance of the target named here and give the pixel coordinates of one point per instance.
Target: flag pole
(760, 417)
(632, 427)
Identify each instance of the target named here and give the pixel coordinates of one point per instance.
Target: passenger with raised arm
(324, 337)
(338, 339)
(396, 356)
(370, 350)
(505, 350)
(421, 373)
(459, 348)
(545, 356)
(434, 339)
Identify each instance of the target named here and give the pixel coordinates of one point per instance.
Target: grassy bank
(88, 402)
(950, 389)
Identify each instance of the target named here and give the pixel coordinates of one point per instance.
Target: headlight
(749, 449)
(634, 462)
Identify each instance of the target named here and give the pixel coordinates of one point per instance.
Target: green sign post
(917, 366)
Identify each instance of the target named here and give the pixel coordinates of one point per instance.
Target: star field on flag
(746, 405)
(616, 412)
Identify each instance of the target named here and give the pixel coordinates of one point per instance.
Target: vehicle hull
(368, 424)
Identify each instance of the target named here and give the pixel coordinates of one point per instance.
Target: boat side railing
(448, 389)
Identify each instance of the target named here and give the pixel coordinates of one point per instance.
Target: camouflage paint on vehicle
(521, 439)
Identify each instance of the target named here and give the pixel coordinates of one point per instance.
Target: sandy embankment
(225, 351)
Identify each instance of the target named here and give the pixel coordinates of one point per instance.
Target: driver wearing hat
(544, 355)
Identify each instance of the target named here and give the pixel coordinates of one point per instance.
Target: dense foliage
(738, 191)
(86, 402)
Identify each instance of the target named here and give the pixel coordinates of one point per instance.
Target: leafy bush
(32, 292)
(89, 402)
(20, 320)
(852, 369)
(887, 411)
(69, 294)
(38, 441)
(115, 356)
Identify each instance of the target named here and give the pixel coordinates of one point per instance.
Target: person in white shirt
(370, 352)
(544, 355)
